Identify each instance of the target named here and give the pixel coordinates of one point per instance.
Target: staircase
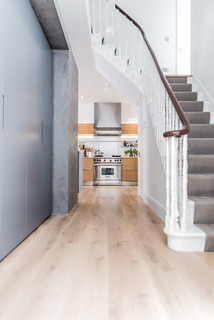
(173, 110)
(200, 157)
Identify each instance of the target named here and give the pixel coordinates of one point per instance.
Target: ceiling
(92, 86)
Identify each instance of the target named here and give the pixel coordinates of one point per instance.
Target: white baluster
(167, 222)
(184, 185)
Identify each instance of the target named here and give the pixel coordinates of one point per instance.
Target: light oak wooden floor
(107, 260)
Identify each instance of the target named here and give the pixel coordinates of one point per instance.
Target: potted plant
(126, 152)
(131, 153)
(136, 153)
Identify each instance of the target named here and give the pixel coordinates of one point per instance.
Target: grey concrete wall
(65, 123)
(47, 16)
(73, 173)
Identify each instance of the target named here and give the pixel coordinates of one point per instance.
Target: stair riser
(201, 146)
(181, 87)
(186, 96)
(201, 131)
(204, 209)
(200, 164)
(192, 106)
(198, 118)
(177, 79)
(200, 186)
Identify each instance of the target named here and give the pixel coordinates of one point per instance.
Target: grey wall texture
(65, 126)
(48, 18)
(73, 167)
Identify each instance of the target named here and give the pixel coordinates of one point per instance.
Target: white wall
(154, 182)
(86, 113)
(128, 113)
(158, 20)
(202, 44)
(183, 36)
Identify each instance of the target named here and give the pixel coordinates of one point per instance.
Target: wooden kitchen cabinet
(85, 128)
(130, 169)
(129, 128)
(88, 172)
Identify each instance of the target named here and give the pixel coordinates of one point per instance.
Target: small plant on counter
(135, 152)
(126, 152)
(131, 153)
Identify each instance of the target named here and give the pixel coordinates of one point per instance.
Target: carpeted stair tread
(181, 87)
(201, 163)
(201, 131)
(204, 209)
(209, 230)
(198, 117)
(200, 184)
(201, 145)
(192, 106)
(186, 96)
(176, 79)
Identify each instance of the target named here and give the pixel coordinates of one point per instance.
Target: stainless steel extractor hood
(107, 119)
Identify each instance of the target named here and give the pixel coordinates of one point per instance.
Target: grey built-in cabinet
(25, 124)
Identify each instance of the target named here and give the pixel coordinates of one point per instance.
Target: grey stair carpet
(181, 87)
(201, 131)
(186, 96)
(198, 117)
(208, 228)
(201, 185)
(200, 163)
(192, 106)
(204, 208)
(177, 79)
(200, 157)
(201, 146)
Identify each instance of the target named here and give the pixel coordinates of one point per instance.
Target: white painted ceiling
(73, 14)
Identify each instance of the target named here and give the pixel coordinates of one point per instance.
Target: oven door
(107, 175)
(108, 172)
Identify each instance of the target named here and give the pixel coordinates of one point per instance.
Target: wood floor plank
(107, 260)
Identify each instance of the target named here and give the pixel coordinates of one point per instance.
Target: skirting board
(158, 209)
(88, 183)
(129, 183)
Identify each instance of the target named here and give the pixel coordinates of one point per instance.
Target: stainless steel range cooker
(107, 171)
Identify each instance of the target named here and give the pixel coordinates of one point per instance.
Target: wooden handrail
(175, 133)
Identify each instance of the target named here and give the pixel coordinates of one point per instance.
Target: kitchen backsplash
(108, 145)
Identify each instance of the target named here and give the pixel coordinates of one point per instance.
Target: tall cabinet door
(39, 155)
(13, 178)
(1, 110)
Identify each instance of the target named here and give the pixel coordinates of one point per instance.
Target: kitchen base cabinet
(130, 170)
(130, 175)
(88, 175)
(88, 172)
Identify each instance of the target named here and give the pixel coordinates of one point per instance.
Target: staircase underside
(200, 158)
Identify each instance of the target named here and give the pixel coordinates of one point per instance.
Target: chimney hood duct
(107, 119)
